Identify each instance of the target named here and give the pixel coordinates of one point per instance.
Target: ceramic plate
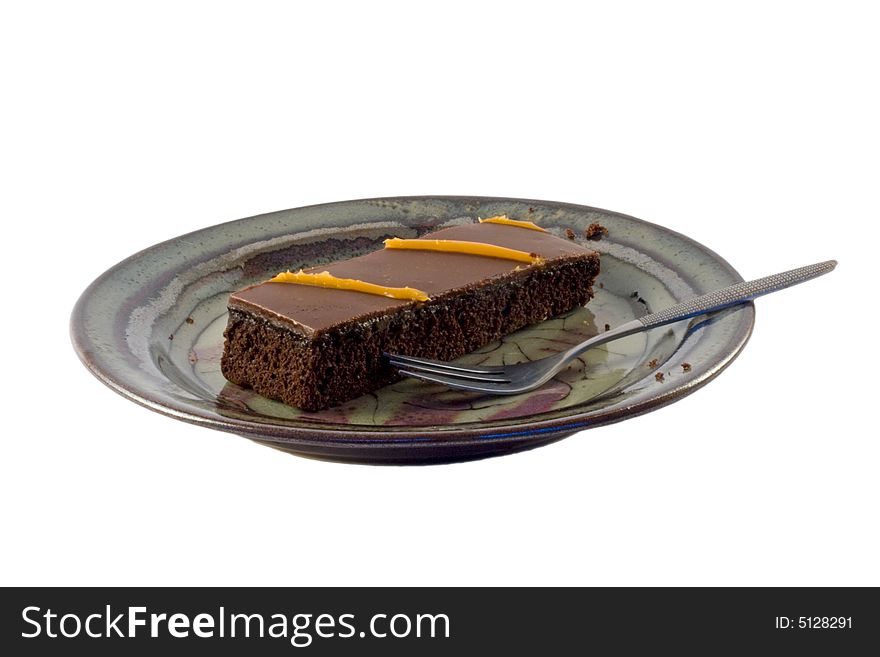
(151, 328)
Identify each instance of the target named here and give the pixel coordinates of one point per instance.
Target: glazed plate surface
(151, 328)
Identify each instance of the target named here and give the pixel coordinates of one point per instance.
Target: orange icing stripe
(458, 246)
(326, 279)
(503, 219)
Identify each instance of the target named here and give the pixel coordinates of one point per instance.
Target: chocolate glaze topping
(313, 309)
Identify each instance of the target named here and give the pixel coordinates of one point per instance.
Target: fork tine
(489, 377)
(471, 385)
(441, 365)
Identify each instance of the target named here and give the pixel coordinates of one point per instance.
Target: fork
(522, 377)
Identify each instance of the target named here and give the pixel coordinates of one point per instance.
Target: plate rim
(285, 435)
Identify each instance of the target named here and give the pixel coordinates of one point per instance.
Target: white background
(753, 129)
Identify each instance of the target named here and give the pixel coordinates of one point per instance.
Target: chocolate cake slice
(313, 339)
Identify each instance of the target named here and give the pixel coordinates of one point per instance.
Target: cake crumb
(171, 337)
(190, 320)
(569, 233)
(685, 367)
(653, 363)
(659, 377)
(608, 327)
(596, 232)
(601, 285)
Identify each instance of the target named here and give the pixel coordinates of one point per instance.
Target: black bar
(518, 620)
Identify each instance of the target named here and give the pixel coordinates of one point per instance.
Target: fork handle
(735, 294)
(707, 303)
